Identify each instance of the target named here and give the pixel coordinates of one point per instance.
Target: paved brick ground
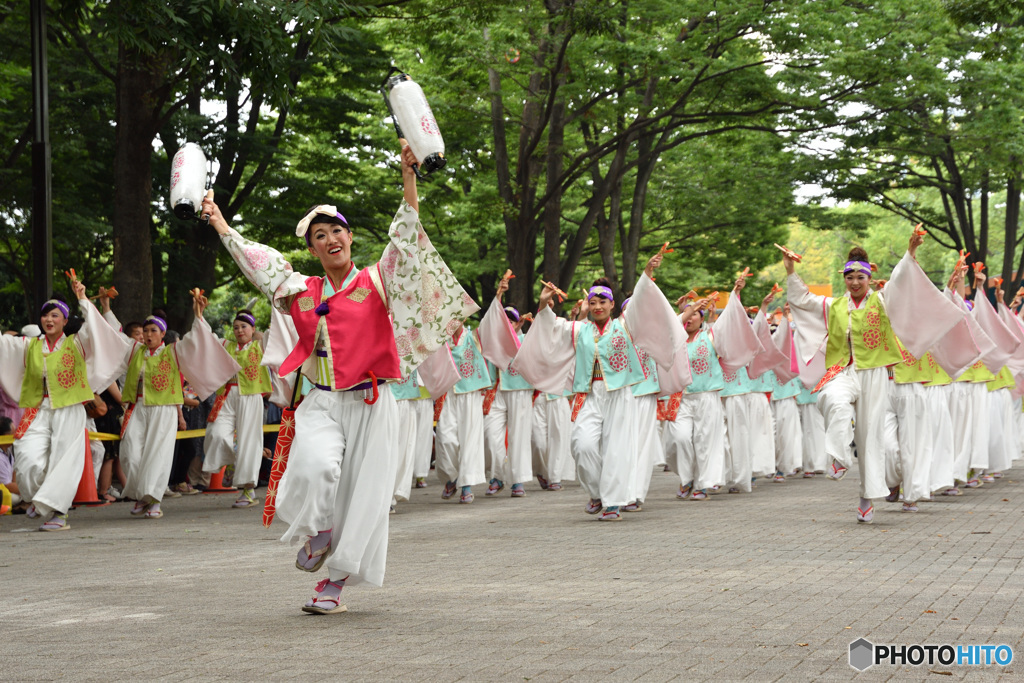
(768, 586)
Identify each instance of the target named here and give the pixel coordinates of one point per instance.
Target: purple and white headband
(60, 306)
(322, 210)
(156, 320)
(701, 311)
(857, 267)
(246, 318)
(512, 313)
(601, 290)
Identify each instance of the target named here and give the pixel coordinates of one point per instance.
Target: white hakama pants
(969, 410)
(1018, 414)
(50, 458)
(340, 476)
(941, 469)
(892, 444)
(860, 395)
(552, 430)
(789, 437)
(96, 450)
(748, 426)
(695, 441)
(242, 417)
(604, 443)
(649, 450)
(147, 451)
(423, 408)
(406, 447)
(915, 436)
(1002, 436)
(511, 414)
(459, 443)
(812, 426)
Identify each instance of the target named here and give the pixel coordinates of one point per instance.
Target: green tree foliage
(581, 134)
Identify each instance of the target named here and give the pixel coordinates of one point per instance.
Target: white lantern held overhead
(190, 175)
(414, 121)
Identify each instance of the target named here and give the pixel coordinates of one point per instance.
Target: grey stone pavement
(768, 586)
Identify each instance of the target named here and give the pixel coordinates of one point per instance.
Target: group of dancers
(920, 385)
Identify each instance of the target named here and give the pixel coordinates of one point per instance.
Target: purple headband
(512, 313)
(857, 267)
(601, 290)
(158, 321)
(60, 306)
(628, 298)
(330, 212)
(246, 318)
(701, 311)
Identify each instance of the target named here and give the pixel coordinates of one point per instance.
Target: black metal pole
(42, 228)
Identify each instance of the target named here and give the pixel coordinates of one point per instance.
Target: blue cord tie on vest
(322, 309)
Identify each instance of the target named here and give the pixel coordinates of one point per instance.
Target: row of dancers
(370, 346)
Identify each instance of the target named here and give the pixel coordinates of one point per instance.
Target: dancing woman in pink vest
(336, 493)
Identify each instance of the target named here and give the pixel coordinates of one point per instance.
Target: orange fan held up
(790, 253)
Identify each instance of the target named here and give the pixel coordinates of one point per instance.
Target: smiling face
(856, 283)
(600, 308)
(152, 336)
(332, 244)
(242, 331)
(52, 323)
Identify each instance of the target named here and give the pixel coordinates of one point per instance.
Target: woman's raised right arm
(265, 267)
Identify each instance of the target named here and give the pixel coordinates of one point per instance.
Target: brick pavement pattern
(768, 586)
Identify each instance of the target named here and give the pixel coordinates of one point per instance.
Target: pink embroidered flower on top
(256, 258)
(452, 327)
(389, 263)
(619, 361)
(403, 345)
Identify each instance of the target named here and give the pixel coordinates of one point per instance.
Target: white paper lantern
(415, 121)
(188, 181)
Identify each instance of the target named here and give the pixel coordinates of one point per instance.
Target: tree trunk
(135, 128)
(631, 245)
(1012, 280)
(553, 208)
(983, 221)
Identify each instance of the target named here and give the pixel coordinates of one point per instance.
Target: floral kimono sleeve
(266, 268)
(427, 303)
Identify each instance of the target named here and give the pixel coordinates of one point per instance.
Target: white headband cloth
(322, 210)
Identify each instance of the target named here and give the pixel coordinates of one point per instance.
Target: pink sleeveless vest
(360, 337)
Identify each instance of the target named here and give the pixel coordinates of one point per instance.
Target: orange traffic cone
(217, 483)
(86, 494)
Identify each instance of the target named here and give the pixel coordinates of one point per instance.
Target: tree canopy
(581, 135)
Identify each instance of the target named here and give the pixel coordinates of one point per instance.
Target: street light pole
(42, 228)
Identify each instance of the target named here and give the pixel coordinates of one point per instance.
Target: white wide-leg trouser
(604, 443)
(50, 458)
(341, 476)
(858, 397)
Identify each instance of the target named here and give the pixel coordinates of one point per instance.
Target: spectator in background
(7, 477)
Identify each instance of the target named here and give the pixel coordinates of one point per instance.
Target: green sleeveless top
(66, 379)
(161, 379)
(871, 336)
(253, 378)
